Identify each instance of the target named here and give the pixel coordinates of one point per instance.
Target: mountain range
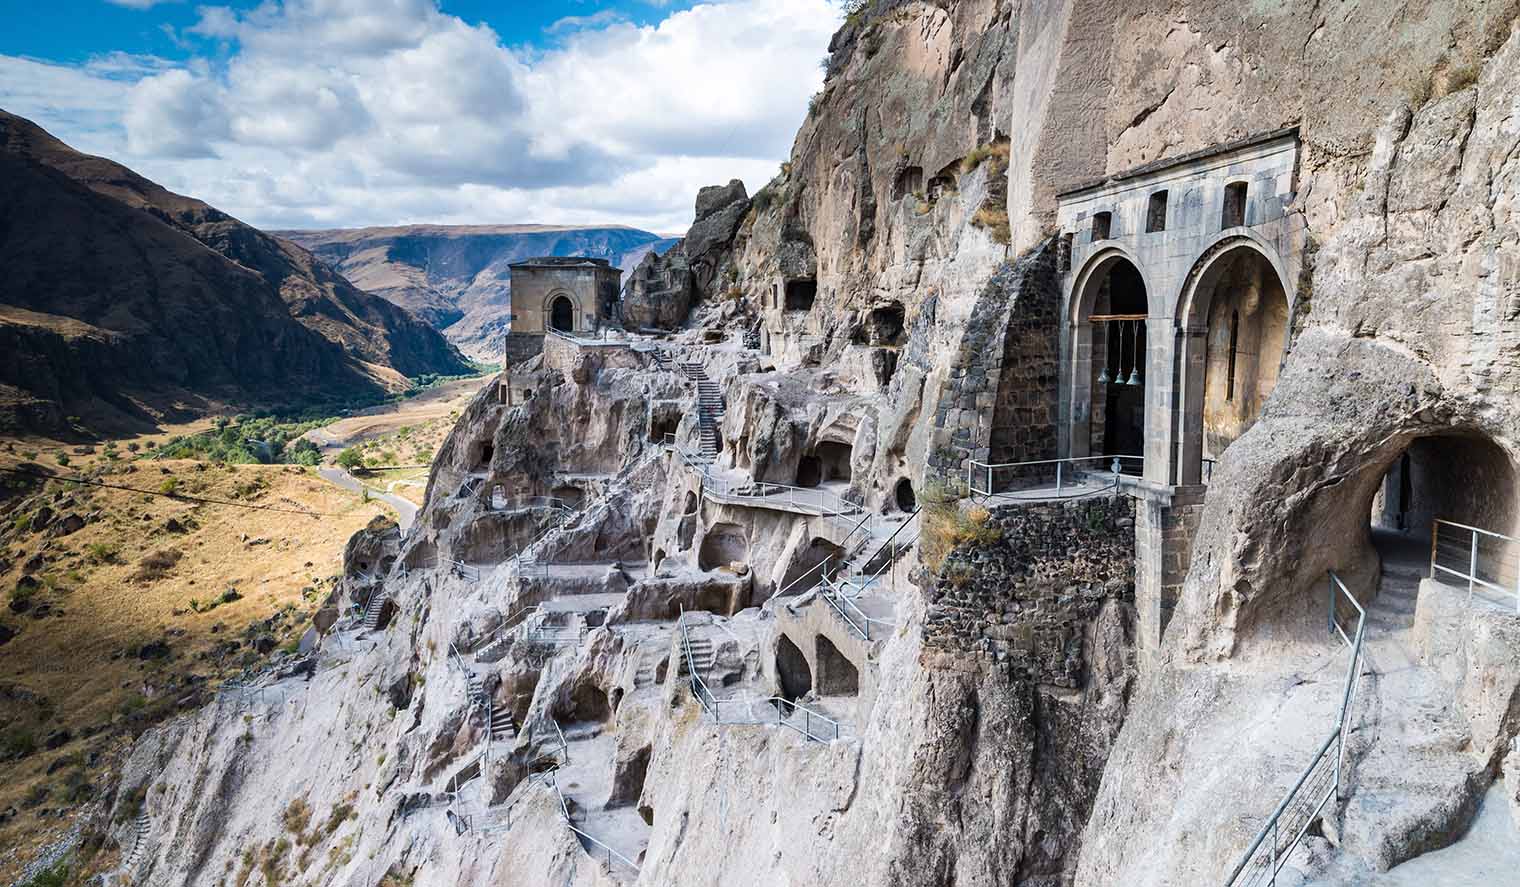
(124, 304)
(456, 277)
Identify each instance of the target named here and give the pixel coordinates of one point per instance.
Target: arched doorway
(1111, 371)
(1464, 479)
(562, 314)
(1235, 333)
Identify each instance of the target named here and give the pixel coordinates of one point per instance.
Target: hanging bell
(1103, 378)
(1134, 374)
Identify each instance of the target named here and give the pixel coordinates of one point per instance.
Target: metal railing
(468, 572)
(1479, 557)
(983, 478)
(612, 857)
(741, 712)
(1321, 780)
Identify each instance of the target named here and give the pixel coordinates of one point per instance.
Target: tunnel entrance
(837, 676)
(809, 471)
(1463, 479)
(792, 670)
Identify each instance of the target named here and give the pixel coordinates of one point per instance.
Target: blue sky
(325, 113)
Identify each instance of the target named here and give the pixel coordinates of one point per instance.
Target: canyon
(1090, 460)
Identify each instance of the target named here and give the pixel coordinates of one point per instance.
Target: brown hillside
(123, 302)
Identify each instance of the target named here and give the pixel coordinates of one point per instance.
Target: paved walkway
(406, 510)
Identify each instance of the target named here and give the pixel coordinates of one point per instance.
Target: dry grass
(125, 581)
(946, 525)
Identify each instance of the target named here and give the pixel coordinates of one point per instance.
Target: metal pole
(1274, 853)
(1058, 478)
(1472, 566)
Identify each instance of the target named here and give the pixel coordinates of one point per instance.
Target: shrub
(17, 742)
(350, 458)
(57, 876)
(22, 523)
(297, 816)
(995, 222)
(156, 565)
(946, 525)
(169, 485)
(995, 151)
(102, 552)
(63, 459)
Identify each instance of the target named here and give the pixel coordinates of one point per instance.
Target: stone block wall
(1000, 400)
(1024, 602)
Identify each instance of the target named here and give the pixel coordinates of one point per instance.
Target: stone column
(1159, 357)
(1188, 419)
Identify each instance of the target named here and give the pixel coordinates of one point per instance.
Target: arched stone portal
(1110, 366)
(1234, 317)
(1463, 478)
(562, 314)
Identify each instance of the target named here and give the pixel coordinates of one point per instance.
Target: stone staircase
(376, 606)
(709, 408)
(474, 687)
(503, 726)
(1411, 785)
(139, 840)
(649, 668)
(702, 655)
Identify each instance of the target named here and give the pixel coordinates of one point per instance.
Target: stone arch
(837, 675)
(1233, 315)
(792, 670)
(561, 311)
(1108, 414)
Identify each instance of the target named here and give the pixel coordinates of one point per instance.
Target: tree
(350, 459)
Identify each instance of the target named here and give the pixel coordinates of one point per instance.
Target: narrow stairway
(1410, 784)
(503, 726)
(375, 609)
(702, 655)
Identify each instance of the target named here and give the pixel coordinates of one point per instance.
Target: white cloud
(358, 112)
(140, 4)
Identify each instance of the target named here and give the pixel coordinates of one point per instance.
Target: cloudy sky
(327, 113)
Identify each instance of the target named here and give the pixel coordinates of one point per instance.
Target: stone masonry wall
(1024, 601)
(1001, 394)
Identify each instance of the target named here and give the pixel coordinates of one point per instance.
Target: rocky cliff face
(984, 719)
(121, 298)
(455, 277)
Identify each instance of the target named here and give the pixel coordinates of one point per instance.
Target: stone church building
(568, 294)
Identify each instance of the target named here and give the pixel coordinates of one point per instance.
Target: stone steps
(1410, 784)
(376, 607)
(139, 839)
(702, 654)
(503, 726)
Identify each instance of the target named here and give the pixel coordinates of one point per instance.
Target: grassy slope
(80, 661)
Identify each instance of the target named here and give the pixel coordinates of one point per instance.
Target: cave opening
(837, 676)
(792, 670)
(903, 493)
(800, 294)
(722, 545)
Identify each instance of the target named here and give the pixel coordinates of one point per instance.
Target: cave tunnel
(837, 676)
(792, 670)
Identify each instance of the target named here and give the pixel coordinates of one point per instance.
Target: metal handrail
(714, 706)
(788, 587)
(464, 570)
(1473, 573)
(565, 812)
(1300, 802)
(972, 477)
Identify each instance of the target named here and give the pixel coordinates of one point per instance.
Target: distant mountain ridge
(455, 276)
(126, 303)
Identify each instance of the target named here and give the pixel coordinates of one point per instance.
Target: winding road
(406, 510)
